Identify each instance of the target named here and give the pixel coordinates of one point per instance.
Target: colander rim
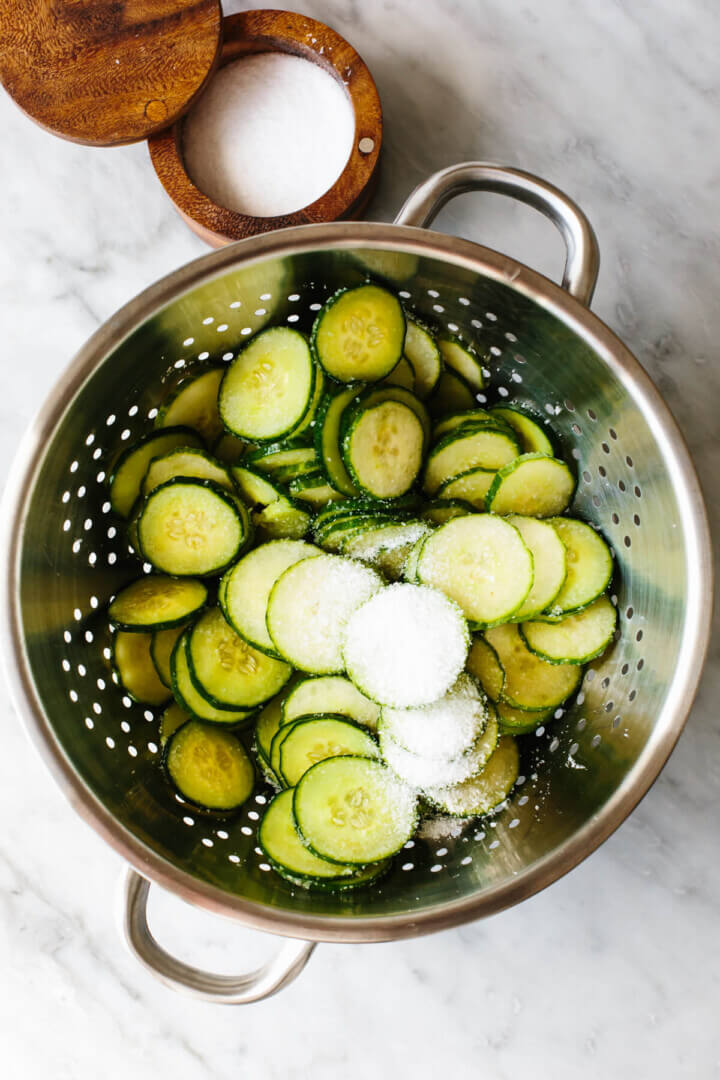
(696, 630)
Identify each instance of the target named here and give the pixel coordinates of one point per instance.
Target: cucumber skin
(323, 407)
(195, 442)
(329, 303)
(509, 469)
(231, 725)
(149, 628)
(581, 660)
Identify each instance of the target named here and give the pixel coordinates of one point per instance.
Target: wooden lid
(106, 72)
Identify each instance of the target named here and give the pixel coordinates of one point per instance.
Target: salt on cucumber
(533, 485)
(471, 486)
(359, 334)
(574, 639)
(422, 772)
(445, 729)
(482, 563)
(354, 810)
(485, 792)
(530, 682)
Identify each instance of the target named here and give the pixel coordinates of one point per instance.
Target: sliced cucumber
(133, 663)
(353, 810)
(530, 683)
(194, 405)
(309, 607)
(280, 841)
(327, 437)
(192, 527)
(520, 721)
(209, 767)
(575, 639)
(533, 439)
(438, 511)
(275, 515)
(402, 375)
(445, 729)
(452, 394)
(461, 419)
(303, 429)
(330, 694)
(228, 671)
(161, 648)
(484, 664)
(485, 792)
(269, 386)
(336, 534)
(406, 645)
(472, 486)
(477, 445)
(246, 588)
(482, 563)
(463, 360)
(156, 602)
(276, 458)
(533, 485)
(229, 449)
(422, 772)
(269, 720)
(189, 463)
(193, 702)
(317, 738)
(409, 571)
(173, 718)
(275, 747)
(313, 488)
(359, 334)
(589, 566)
(549, 564)
(386, 547)
(423, 353)
(383, 449)
(130, 468)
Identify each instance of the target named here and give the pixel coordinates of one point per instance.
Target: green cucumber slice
(273, 514)
(530, 682)
(267, 724)
(354, 810)
(359, 334)
(313, 488)
(445, 729)
(575, 639)
(189, 463)
(229, 449)
(402, 375)
(330, 694)
(409, 571)
(482, 563)
(209, 767)
(246, 588)
(463, 360)
(451, 394)
(228, 671)
(589, 566)
(520, 721)
(130, 468)
(422, 772)
(533, 439)
(173, 718)
(473, 446)
(383, 449)
(327, 437)
(280, 841)
(533, 485)
(161, 648)
(485, 792)
(303, 428)
(192, 527)
(423, 353)
(386, 547)
(406, 645)
(438, 511)
(277, 457)
(309, 607)
(194, 405)
(318, 738)
(549, 564)
(134, 667)
(460, 419)
(472, 486)
(484, 664)
(275, 747)
(156, 602)
(189, 698)
(269, 387)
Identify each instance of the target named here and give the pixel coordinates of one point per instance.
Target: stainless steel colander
(65, 555)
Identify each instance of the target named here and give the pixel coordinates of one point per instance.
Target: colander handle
(285, 966)
(583, 256)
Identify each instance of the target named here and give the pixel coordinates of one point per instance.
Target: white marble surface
(613, 972)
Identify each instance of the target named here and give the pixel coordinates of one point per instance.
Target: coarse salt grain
(447, 728)
(406, 645)
(269, 136)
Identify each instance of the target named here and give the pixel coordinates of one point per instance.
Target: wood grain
(105, 72)
(283, 31)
